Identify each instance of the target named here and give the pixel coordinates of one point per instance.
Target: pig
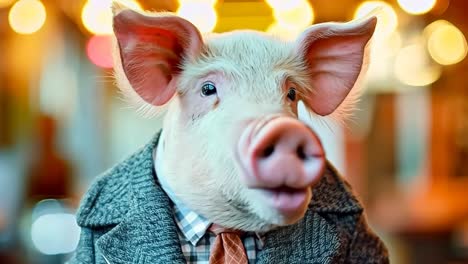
(232, 147)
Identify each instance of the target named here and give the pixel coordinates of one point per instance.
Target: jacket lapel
(141, 240)
(148, 232)
(312, 240)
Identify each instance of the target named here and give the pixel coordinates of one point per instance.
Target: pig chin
(239, 207)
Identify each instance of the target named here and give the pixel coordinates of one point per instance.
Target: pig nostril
(300, 153)
(268, 151)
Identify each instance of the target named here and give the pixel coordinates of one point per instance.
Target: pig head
(234, 149)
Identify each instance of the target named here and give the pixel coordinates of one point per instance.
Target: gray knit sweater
(126, 218)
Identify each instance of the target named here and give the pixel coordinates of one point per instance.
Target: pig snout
(279, 152)
(282, 159)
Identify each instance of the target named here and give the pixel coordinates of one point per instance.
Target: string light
(27, 16)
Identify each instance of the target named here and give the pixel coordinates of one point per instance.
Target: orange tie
(228, 247)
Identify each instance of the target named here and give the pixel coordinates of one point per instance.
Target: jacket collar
(129, 203)
(147, 231)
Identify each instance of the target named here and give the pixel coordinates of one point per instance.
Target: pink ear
(152, 49)
(334, 54)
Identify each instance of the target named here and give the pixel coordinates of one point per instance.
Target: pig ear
(151, 49)
(334, 55)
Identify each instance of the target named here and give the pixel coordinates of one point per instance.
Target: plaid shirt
(195, 239)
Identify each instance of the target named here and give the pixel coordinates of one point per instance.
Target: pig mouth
(286, 189)
(285, 199)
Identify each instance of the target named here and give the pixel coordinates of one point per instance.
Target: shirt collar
(192, 225)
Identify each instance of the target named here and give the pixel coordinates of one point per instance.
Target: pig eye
(292, 94)
(208, 89)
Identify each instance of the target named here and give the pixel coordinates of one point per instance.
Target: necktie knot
(228, 247)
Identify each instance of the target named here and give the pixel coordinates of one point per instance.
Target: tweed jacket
(126, 217)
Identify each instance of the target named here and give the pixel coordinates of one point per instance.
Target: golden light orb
(446, 43)
(417, 7)
(201, 13)
(96, 15)
(386, 15)
(297, 17)
(413, 67)
(27, 16)
(211, 2)
(284, 5)
(283, 32)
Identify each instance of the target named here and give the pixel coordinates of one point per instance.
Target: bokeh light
(55, 233)
(417, 7)
(201, 13)
(286, 33)
(387, 17)
(380, 65)
(5, 3)
(284, 5)
(211, 2)
(27, 16)
(291, 17)
(96, 15)
(299, 16)
(99, 50)
(429, 29)
(446, 43)
(413, 66)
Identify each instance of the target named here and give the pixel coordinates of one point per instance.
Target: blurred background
(62, 121)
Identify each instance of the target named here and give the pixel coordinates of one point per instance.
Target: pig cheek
(194, 106)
